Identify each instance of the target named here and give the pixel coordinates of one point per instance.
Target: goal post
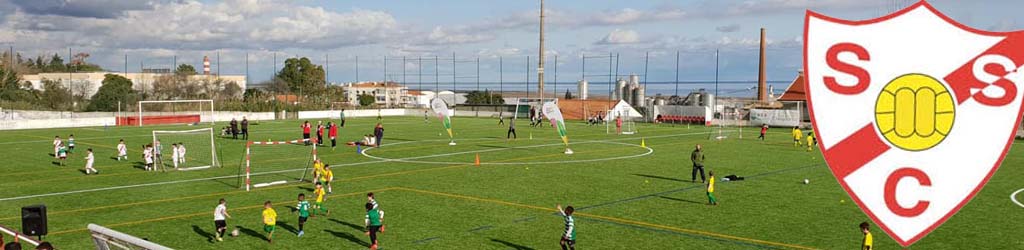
(109, 239)
(278, 164)
(172, 112)
(199, 149)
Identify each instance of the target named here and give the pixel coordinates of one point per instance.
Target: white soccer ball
(806, 181)
(234, 233)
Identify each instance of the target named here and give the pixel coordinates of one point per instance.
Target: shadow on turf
(285, 226)
(661, 177)
(349, 237)
(252, 233)
(204, 234)
(353, 226)
(681, 200)
(512, 245)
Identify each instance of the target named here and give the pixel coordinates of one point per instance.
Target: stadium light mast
(540, 60)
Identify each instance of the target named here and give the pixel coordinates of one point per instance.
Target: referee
(698, 164)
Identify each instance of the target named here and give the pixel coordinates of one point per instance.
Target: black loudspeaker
(33, 220)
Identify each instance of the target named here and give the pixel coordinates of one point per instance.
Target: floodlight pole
(540, 56)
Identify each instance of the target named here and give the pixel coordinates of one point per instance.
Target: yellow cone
(643, 144)
(477, 162)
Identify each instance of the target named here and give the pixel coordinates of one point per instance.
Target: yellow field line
(197, 214)
(607, 218)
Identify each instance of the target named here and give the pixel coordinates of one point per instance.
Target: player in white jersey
(122, 150)
(89, 160)
(181, 153)
(175, 154)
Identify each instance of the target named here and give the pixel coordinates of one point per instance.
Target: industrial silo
(708, 99)
(583, 89)
(634, 79)
(639, 98)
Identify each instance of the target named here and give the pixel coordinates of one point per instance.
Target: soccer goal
(270, 163)
(628, 121)
(200, 149)
(171, 112)
(107, 239)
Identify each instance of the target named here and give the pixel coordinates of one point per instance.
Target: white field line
(236, 176)
(1013, 197)
(412, 159)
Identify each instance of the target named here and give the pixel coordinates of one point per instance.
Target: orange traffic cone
(477, 162)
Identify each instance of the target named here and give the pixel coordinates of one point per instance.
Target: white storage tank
(620, 85)
(639, 98)
(634, 79)
(583, 89)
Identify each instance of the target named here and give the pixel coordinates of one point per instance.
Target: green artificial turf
(435, 197)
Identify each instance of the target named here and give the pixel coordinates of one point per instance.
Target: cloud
(728, 28)
(620, 36)
(88, 9)
(441, 36)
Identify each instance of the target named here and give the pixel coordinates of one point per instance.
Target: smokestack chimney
(761, 96)
(206, 64)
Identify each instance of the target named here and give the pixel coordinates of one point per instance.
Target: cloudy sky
(153, 32)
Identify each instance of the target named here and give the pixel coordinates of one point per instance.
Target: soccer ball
(234, 233)
(806, 181)
(915, 112)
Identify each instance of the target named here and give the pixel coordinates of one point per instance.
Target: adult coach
(245, 128)
(342, 117)
(378, 132)
(234, 128)
(698, 164)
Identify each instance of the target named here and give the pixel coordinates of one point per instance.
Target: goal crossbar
(248, 161)
(106, 239)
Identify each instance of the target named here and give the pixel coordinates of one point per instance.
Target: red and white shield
(914, 112)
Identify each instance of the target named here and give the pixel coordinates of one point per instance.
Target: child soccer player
(796, 136)
(811, 141)
(71, 144)
(303, 208)
(306, 127)
(868, 241)
(62, 154)
(319, 133)
(370, 199)
(175, 154)
(568, 241)
(147, 153)
(181, 153)
(374, 223)
(122, 150)
(711, 189)
(332, 132)
(269, 221)
(764, 130)
(318, 169)
(89, 159)
(220, 215)
(56, 146)
(326, 177)
(319, 192)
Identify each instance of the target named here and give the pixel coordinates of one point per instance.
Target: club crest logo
(914, 112)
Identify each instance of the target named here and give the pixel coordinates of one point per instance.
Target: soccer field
(626, 196)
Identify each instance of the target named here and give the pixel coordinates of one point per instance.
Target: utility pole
(540, 61)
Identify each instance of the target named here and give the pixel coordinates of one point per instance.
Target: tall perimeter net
(185, 150)
(268, 163)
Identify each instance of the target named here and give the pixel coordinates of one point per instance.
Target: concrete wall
(57, 123)
(334, 114)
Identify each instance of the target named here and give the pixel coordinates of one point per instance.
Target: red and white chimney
(206, 65)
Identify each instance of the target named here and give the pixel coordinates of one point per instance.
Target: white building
(385, 94)
(90, 82)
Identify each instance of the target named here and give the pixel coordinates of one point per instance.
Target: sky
(645, 35)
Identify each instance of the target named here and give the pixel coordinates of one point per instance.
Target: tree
(115, 88)
(11, 88)
(483, 98)
(303, 76)
(55, 96)
(185, 69)
(254, 95)
(56, 64)
(366, 100)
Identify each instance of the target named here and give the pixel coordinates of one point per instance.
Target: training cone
(477, 161)
(531, 135)
(643, 144)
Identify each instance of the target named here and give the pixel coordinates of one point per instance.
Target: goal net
(196, 149)
(525, 105)
(107, 239)
(171, 112)
(268, 163)
(729, 125)
(628, 117)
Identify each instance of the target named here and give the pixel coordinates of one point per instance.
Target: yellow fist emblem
(914, 112)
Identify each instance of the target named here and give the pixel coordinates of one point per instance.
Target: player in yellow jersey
(797, 135)
(327, 177)
(319, 206)
(318, 169)
(711, 189)
(269, 221)
(868, 242)
(811, 141)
